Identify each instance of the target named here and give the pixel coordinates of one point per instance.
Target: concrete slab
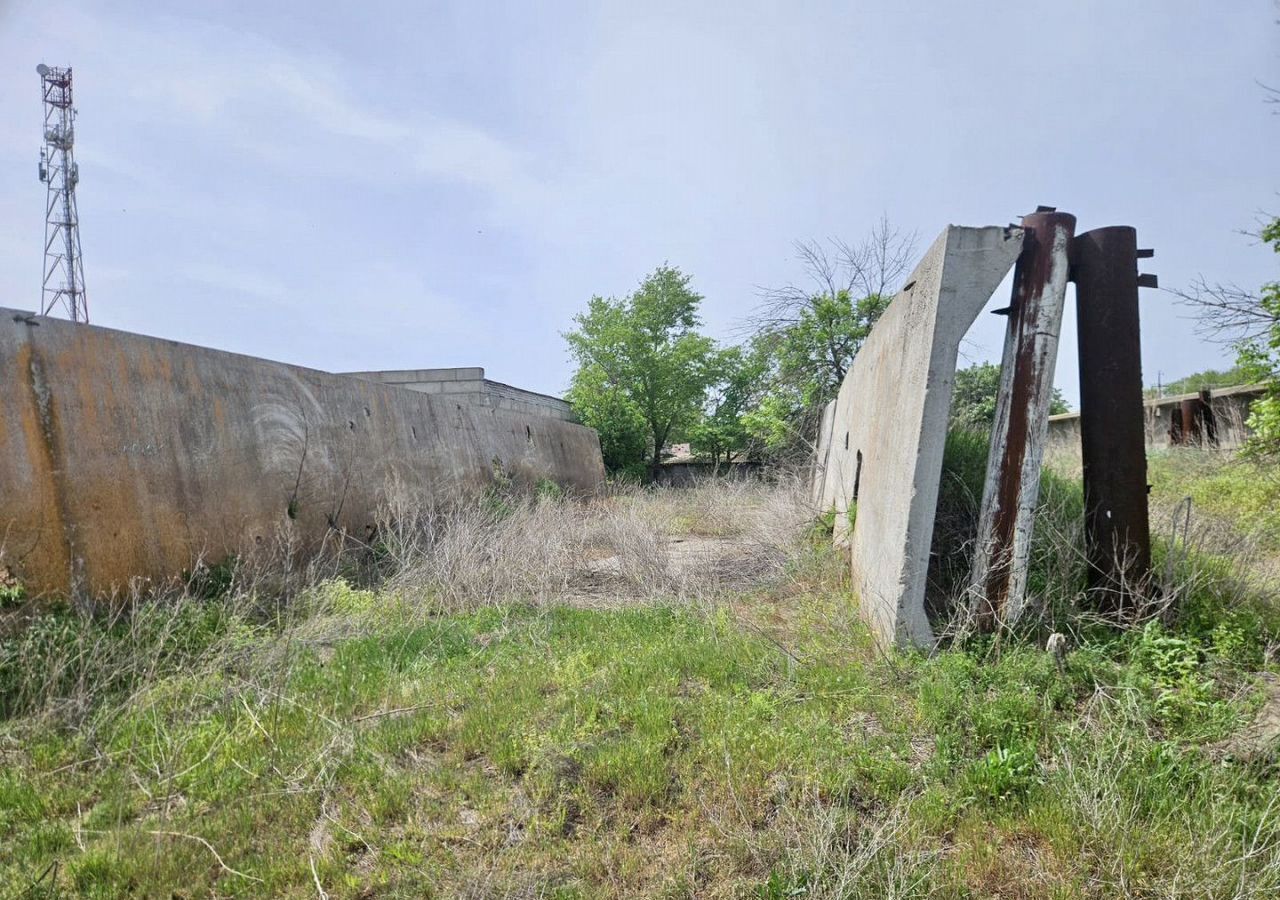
(884, 439)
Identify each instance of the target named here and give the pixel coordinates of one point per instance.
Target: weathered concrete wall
(470, 383)
(883, 440)
(1230, 413)
(125, 456)
(691, 473)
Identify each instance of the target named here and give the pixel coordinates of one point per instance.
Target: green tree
(722, 434)
(814, 353)
(1259, 360)
(648, 350)
(770, 424)
(808, 360)
(608, 409)
(973, 400)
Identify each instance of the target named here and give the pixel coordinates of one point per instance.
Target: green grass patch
(656, 751)
(1243, 493)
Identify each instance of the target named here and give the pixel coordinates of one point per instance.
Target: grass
(1240, 494)
(463, 730)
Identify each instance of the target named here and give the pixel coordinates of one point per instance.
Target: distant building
(1211, 418)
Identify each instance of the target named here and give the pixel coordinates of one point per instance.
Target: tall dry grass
(630, 544)
(1198, 557)
(430, 555)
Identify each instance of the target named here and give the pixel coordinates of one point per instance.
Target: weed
(12, 592)
(546, 489)
(1005, 773)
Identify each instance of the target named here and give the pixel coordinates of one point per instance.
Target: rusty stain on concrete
(35, 497)
(124, 456)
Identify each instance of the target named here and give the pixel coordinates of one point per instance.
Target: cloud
(305, 113)
(235, 280)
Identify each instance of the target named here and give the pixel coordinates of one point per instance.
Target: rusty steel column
(1012, 484)
(1208, 418)
(1175, 426)
(1113, 445)
(1191, 421)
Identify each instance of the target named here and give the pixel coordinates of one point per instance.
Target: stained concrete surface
(880, 450)
(1231, 407)
(470, 385)
(128, 457)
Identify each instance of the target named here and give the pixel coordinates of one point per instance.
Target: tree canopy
(642, 360)
(810, 333)
(722, 434)
(973, 400)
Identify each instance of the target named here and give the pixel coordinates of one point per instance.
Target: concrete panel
(414, 376)
(451, 387)
(478, 390)
(822, 458)
(884, 448)
(125, 456)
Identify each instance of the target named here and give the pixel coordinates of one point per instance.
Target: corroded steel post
(1113, 445)
(1191, 421)
(1207, 417)
(1012, 484)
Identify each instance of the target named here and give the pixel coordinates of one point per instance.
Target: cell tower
(63, 269)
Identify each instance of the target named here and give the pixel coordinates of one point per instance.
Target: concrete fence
(124, 456)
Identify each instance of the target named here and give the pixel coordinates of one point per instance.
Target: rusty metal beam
(1191, 421)
(1208, 418)
(1113, 445)
(1012, 485)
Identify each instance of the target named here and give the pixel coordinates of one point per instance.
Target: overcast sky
(400, 185)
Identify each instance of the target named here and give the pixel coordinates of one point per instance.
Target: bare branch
(1225, 313)
(875, 265)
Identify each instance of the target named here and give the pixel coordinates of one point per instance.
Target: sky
(409, 185)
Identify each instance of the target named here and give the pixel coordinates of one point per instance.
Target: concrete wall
(882, 441)
(1230, 412)
(690, 473)
(471, 384)
(126, 456)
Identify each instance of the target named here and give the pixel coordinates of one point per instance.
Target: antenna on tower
(63, 269)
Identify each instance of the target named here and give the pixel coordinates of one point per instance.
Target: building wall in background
(1230, 411)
